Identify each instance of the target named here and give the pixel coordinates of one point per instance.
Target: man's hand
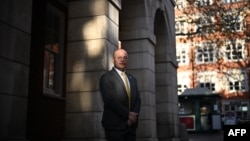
(130, 123)
(133, 117)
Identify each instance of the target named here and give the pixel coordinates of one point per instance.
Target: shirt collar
(119, 71)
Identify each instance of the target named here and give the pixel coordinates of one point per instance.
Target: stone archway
(166, 83)
(144, 33)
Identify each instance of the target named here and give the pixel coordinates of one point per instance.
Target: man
(121, 100)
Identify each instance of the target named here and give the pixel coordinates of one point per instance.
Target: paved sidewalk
(218, 136)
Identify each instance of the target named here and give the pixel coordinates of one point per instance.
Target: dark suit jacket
(116, 109)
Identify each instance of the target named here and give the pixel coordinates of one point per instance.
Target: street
(217, 136)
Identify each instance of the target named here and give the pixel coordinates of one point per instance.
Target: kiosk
(199, 110)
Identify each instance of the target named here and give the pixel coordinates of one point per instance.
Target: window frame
(232, 47)
(239, 76)
(182, 54)
(58, 79)
(208, 80)
(205, 53)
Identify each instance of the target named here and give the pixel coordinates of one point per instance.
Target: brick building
(212, 43)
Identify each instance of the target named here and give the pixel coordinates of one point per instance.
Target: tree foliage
(216, 21)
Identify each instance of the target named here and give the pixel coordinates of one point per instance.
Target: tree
(217, 28)
(219, 23)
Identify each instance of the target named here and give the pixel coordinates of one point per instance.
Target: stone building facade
(53, 52)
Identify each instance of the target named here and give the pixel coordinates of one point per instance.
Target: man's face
(120, 59)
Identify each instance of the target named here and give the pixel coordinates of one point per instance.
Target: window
(183, 81)
(53, 51)
(234, 50)
(210, 86)
(186, 107)
(180, 27)
(233, 21)
(206, 23)
(180, 4)
(207, 80)
(238, 24)
(244, 107)
(205, 53)
(230, 1)
(237, 80)
(182, 54)
(203, 2)
(237, 85)
(181, 88)
(239, 107)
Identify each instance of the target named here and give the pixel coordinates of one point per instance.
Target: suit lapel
(119, 79)
(121, 83)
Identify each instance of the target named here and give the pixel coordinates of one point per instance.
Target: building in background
(213, 51)
(53, 52)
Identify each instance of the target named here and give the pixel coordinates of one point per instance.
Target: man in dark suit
(122, 100)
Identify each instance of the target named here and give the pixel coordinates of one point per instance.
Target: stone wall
(15, 30)
(92, 38)
(146, 30)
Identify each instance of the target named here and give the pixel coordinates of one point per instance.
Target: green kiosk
(199, 110)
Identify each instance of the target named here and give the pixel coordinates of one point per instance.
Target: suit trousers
(128, 134)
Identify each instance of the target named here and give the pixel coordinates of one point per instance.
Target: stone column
(139, 41)
(92, 37)
(141, 65)
(167, 106)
